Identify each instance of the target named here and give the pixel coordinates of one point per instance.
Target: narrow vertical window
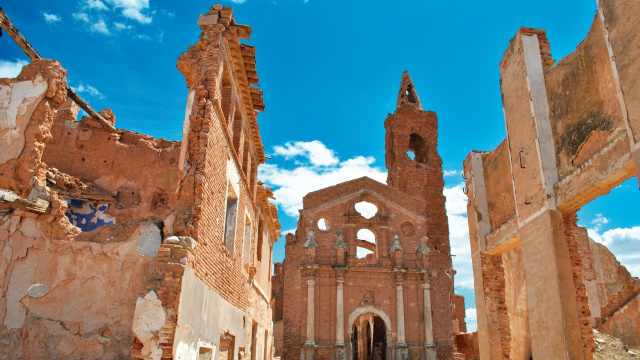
(260, 239)
(246, 246)
(230, 219)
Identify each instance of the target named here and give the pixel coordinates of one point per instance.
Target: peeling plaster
(148, 243)
(38, 290)
(148, 319)
(17, 102)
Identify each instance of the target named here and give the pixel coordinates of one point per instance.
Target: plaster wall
(205, 316)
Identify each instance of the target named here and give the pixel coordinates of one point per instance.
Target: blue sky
(330, 71)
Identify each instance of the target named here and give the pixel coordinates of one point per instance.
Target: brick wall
(579, 256)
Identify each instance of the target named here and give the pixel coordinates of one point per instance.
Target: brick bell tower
(411, 145)
(415, 168)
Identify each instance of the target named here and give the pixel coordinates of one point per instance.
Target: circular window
(324, 225)
(407, 228)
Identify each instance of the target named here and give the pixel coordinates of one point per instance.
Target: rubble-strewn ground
(609, 348)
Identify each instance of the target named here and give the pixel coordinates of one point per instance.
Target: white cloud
(456, 206)
(96, 4)
(622, 242)
(100, 27)
(599, 221)
(142, 37)
(316, 167)
(51, 18)
(238, 1)
(81, 16)
(11, 69)
(133, 9)
(292, 184)
(314, 151)
(88, 89)
(471, 319)
(451, 172)
(120, 26)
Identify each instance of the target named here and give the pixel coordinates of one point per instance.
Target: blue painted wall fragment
(86, 216)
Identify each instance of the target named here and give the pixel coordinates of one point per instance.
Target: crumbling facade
(118, 245)
(395, 302)
(573, 132)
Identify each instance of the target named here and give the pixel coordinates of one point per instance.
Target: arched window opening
(366, 209)
(411, 95)
(418, 147)
(366, 243)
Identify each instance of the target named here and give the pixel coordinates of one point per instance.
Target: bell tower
(411, 145)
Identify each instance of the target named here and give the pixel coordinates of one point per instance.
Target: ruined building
(573, 133)
(118, 245)
(395, 302)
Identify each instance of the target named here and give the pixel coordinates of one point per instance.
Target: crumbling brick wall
(572, 135)
(63, 292)
(100, 227)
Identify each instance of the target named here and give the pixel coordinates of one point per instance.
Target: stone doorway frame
(387, 321)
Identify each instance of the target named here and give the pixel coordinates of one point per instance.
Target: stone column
(400, 309)
(311, 313)
(428, 325)
(340, 313)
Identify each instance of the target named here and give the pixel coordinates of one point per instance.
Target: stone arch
(369, 308)
(381, 314)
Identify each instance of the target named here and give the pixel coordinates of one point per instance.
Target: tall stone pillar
(340, 313)
(428, 324)
(311, 307)
(400, 310)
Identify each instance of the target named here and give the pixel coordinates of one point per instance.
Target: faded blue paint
(87, 217)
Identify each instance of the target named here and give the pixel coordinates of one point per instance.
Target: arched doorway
(369, 337)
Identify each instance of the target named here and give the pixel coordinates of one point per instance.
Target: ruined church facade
(118, 245)
(395, 302)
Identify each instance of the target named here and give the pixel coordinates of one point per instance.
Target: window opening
(254, 333)
(227, 344)
(411, 95)
(205, 353)
(418, 147)
(366, 209)
(324, 224)
(266, 343)
(260, 239)
(366, 243)
(230, 219)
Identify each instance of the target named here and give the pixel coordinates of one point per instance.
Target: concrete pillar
(340, 313)
(311, 306)
(400, 311)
